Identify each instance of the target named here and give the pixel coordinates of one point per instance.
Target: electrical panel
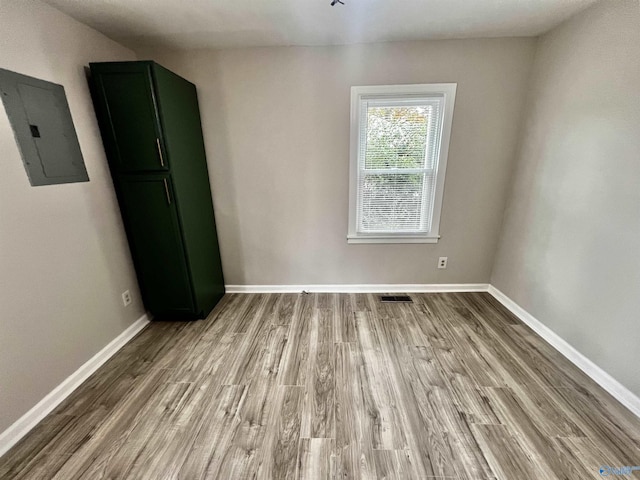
(41, 121)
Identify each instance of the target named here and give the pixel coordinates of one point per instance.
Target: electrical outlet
(126, 298)
(442, 262)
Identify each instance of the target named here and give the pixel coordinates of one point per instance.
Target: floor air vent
(396, 299)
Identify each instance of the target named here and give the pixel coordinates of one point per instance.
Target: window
(399, 143)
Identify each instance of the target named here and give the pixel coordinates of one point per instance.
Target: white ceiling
(187, 24)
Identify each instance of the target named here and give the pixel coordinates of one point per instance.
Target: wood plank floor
(328, 386)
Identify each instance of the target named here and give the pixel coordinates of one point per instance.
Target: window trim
(448, 90)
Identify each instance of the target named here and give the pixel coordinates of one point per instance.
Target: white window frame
(399, 92)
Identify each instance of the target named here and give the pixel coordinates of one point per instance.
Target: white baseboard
(362, 288)
(24, 424)
(602, 378)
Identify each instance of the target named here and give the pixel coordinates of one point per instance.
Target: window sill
(391, 239)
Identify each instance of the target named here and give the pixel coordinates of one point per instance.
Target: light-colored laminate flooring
(283, 386)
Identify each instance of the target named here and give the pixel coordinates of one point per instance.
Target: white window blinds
(398, 149)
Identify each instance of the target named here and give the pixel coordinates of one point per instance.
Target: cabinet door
(154, 235)
(129, 117)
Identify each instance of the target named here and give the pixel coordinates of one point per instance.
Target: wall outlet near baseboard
(126, 298)
(442, 262)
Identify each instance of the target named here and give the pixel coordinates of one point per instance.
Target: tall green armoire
(150, 124)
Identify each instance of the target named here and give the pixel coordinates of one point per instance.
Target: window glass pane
(394, 202)
(397, 136)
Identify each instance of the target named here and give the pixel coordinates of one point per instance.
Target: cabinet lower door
(150, 213)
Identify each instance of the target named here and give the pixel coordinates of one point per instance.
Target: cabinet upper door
(128, 115)
(156, 242)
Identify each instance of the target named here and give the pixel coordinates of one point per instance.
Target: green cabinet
(150, 124)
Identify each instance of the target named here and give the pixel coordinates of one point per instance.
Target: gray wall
(64, 259)
(570, 248)
(276, 123)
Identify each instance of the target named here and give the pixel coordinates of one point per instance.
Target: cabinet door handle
(159, 151)
(166, 190)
